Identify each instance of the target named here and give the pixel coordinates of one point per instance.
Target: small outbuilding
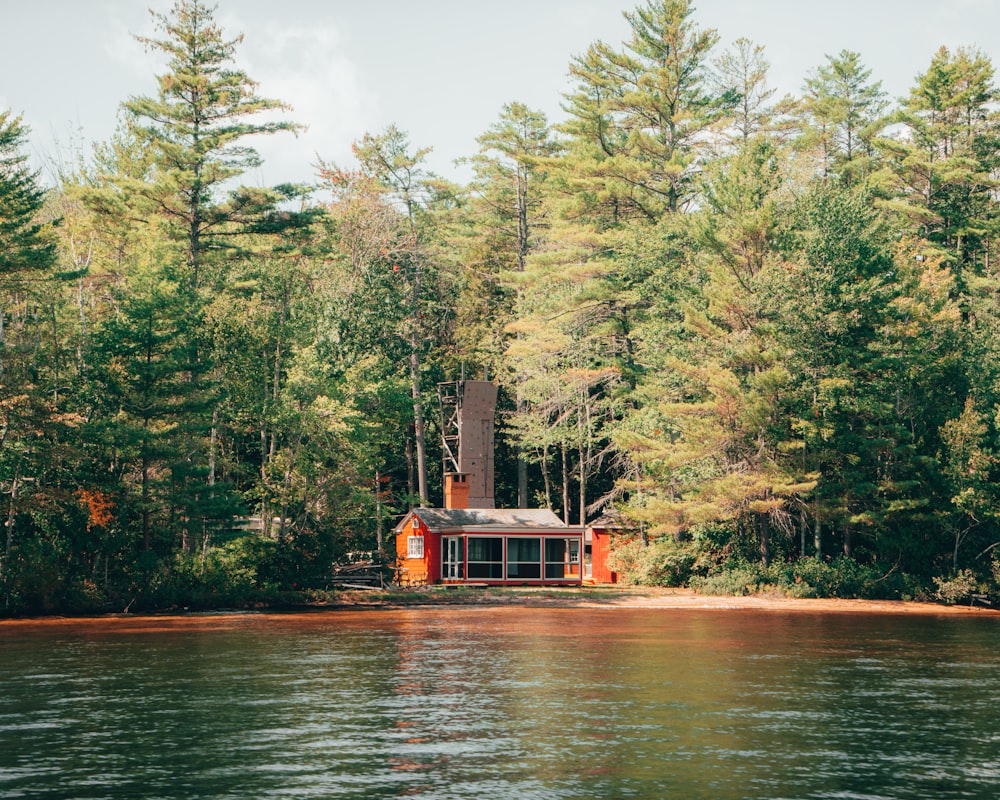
(597, 544)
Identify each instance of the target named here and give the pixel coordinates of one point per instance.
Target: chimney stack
(476, 413)
(456, 490)
(467, 412)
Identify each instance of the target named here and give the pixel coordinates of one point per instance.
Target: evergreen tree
(25, 241)
(510, 216)
(638, 117)
(396, 176)
(939, 176)
(509, 169)
(874, 338)
(741, 73)
(844, 111)
(149, 411)
(711, 443)
(195, 128)
(30, 399)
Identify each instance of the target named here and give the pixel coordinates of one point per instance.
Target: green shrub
(662, 562)
(960, 586)
(809, 577)
(732, 581)
(227, 575)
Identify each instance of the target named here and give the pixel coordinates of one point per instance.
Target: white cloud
(307, 68)
(302, 64)
(119, 42)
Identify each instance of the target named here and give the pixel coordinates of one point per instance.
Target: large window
(556, 557)
(485, 557)
(414, 546)
(562, 558)
(524, 557)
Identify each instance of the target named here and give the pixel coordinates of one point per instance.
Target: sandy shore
(605, 597)
(685, 598)
(647, 597)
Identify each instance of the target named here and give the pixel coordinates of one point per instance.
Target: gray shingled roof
(444, 518)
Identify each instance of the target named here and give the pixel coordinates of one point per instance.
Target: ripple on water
(534, 704)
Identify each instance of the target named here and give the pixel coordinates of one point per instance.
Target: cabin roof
(442, 519)
(611, 519)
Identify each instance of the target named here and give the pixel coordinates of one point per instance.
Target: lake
(502, 703)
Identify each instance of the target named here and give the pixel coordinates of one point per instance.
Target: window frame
(415, 543)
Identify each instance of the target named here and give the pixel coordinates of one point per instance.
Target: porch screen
(557, 557)
(485, 557)
(524, 557)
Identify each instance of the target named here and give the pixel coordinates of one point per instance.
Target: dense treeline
(760, 331)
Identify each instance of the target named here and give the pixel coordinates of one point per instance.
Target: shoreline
(638, 597)
(689, 599)
(598, 597)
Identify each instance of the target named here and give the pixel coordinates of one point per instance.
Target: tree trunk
(145, 502)
(523, 241)
(418, 422)
(55, 356)
(378, 510)
(212, 444)
(81, 365)
(12, 513)
(585, 454)
(565, 482)
(265, 508)
(954, 553)
(522, 481)
(763, 525)
(803, 526)
(411, 487)
(522, 463)
(546, 478)
(818, 535)
(418, 408)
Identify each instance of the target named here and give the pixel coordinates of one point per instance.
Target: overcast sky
(439, 69)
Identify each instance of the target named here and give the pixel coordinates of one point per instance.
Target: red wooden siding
(418, 571)
(600, 550)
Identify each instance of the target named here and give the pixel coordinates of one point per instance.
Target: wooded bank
(762, 330)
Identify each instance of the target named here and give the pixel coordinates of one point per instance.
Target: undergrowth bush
(809, 577)
(960, 586)
(663, 562)
(731, 581)
(224, 576)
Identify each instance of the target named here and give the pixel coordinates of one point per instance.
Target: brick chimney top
(456, 490)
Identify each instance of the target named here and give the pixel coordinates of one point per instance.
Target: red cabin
(469, 541)
(487, 546)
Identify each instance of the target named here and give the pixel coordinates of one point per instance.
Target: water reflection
(501, 703)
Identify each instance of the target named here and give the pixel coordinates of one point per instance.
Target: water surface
(502, 703)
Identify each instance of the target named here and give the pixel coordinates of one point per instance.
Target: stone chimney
(456, 490)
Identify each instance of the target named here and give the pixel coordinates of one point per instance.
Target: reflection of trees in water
(445, 699)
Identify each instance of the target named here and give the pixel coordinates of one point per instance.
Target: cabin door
(453, 557)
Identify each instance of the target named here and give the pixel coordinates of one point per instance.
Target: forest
(761, 332)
